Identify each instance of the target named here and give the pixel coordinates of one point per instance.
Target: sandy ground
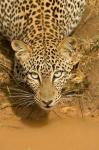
(74, 124)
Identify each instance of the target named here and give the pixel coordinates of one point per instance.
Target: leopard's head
(46, 71)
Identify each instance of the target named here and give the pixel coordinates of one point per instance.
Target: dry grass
(93, 6)
(92, 9)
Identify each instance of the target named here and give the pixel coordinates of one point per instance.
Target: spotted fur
(35, 29)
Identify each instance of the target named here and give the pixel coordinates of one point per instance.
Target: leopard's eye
(58, 74)
(34, 75)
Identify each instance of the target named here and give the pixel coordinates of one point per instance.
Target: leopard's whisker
(17, 89)
(19, 95)
(22, 96)
(30, 104)
(23, 102)
(56, 114)
(24, 99)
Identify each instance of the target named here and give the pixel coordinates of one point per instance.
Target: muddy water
(53, 134)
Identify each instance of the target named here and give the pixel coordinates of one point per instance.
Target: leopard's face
(46, 74)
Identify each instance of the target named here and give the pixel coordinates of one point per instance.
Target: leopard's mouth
(48, 105)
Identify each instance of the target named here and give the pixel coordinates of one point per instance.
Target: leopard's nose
(47, 102)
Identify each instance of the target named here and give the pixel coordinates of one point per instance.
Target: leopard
(38, 31)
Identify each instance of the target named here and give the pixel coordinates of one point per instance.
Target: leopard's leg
(74, 12)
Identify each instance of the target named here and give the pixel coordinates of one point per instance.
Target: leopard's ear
(67, 50)
(21, 49)
(18, 45)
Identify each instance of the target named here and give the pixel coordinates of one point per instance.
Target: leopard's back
(34, 17)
